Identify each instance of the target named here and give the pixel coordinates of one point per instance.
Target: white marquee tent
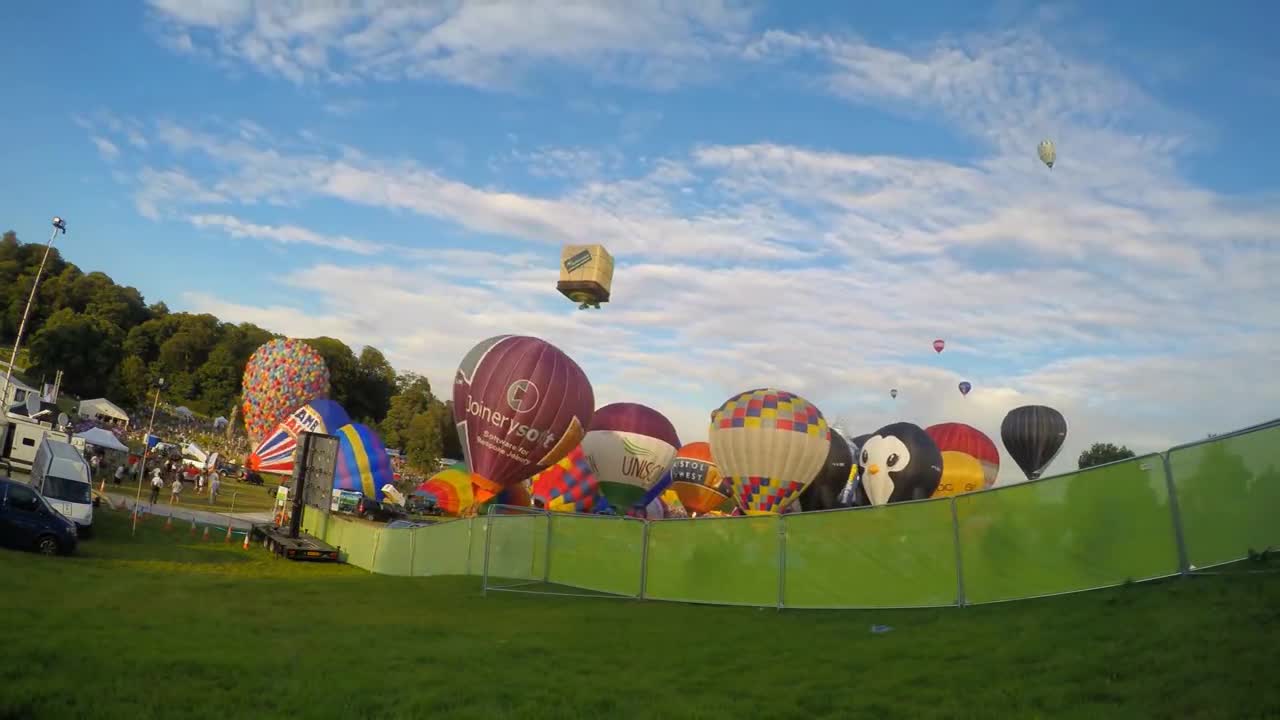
(104, 410)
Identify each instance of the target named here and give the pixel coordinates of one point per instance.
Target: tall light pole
(142, 464)
(59, 225)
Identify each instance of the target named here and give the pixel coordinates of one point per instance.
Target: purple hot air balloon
(520, 405)
(965, 387)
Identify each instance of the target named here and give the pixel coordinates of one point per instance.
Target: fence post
(484, 573)
(546, 560)
(1175, 513)
(782, 560)
(413, 548)
(644, 556)
(955, 529)
(377, 540)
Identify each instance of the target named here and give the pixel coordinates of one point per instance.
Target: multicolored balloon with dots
(281, 376)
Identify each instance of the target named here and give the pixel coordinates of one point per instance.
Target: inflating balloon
(824, 492)
(630, 447)
(275, 453)
(450, 489)
(965, 387)
(363, 463)
(697, 480)
(281, 376)
(899, 462)
(1033, 435)
(520, 404)
(1048, 154)
(770, 444)
(567, 486)
(959, 475)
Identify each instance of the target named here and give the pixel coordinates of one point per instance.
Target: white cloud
(1113, 288)
(284, 234)
(106, 149)
(486, 43)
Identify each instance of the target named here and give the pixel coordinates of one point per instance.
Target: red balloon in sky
(939, 344)
(520, 405)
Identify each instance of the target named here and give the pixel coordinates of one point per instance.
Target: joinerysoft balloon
(520, 404)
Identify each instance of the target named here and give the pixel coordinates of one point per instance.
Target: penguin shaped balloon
(899, 462)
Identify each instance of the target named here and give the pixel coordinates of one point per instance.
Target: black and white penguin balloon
(899, 462)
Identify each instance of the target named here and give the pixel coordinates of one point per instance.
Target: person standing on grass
(95, 464)
(119, 473)
(214, 485)
(157, 482)
(177, 490)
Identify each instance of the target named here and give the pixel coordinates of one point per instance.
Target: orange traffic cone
(205, 538)
(246, 539)
(193, 526)
(168, 523)
(228, 540)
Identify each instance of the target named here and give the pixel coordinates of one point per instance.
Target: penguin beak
(873, 469)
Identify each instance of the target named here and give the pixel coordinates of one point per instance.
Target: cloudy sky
(801, 195)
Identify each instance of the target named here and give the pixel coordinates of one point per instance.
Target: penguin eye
(893, 459)
(864, 457)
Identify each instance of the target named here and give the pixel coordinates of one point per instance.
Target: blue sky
(797, 194)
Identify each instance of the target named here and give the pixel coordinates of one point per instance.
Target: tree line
(109, 342)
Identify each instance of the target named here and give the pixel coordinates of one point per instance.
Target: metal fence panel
(730, 561)
(596, 553)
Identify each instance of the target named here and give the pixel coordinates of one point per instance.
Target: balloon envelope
(1047, 152)
(450, 488)
(939, 344)
(520, 404)
(899, 462)
(697, 480)
(567, 486)
(1033, 435)
(276, 451)
(770, 444)
(281, 376)
(969, 440)
(630, 447)
(363, 463)
(824, 492)
(965, 387)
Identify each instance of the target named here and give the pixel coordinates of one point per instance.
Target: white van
(61, 474)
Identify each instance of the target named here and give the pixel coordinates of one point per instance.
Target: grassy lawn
(248, 498)
(163, 627)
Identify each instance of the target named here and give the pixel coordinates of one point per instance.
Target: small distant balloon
(1047, 152)
(939, 344)
(894, 393)
(965, 387)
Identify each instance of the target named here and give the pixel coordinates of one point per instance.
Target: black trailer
(312, 484)
(302, 547)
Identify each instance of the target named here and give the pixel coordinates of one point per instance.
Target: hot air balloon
(520, 404)
(1047, 152)
(970, 460)
(630, 447)
(899, 462)
(450, 489)
(1033, 435)
(893, 393)
(965, 387)
(770, 444)
(698, 482)
(363, 463)
(517, 495)
(824, 492)
(275, 453)
(281, 376)
(586, 274)
(567, 486)
(939, 344)
(848, 495)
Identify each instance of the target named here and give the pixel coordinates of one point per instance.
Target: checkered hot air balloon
(569, 485)
(770, 444)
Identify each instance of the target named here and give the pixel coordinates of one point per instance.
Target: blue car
(28, 522)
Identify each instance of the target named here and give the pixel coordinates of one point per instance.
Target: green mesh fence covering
(394, 554)
(731, 560)
(517, 546)
(442, 549)
(1089, 529)
(596, 553)
(898, 556)
(1229, 495)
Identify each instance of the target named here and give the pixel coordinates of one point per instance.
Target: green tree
(86, 348)
(343, 374)
(375, 386)
(413, 399)
(1103, 453)
(424, 443)
(130, 383)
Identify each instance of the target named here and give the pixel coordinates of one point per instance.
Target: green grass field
(164, 627)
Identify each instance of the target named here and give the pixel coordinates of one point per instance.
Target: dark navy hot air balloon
(1033, 435)
(520, 404)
